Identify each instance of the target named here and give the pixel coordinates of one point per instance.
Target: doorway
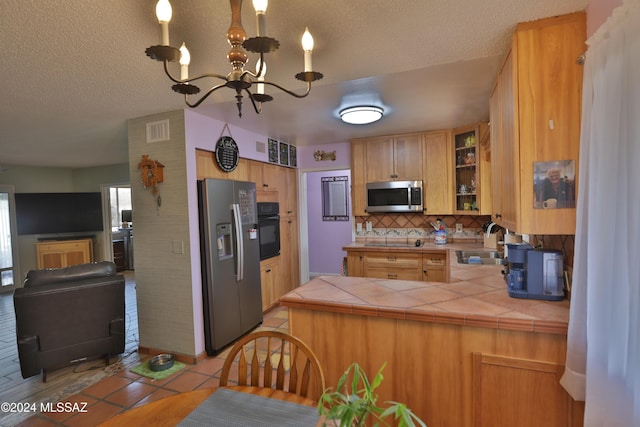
(9, 265)
(118, 225)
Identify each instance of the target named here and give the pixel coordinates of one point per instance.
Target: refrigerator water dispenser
(225, 246)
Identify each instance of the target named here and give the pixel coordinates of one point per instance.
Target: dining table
(223, 406)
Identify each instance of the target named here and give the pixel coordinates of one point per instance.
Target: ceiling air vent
(158, 131)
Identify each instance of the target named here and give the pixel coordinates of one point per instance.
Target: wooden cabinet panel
(358, 178)
(63, 253)
(393, 158)
(434, 267)
(507, 391)
(427, 266)
(430, 365)
(438, 181)
(407, 155)
(379, 155)
(270, 282)
(206, 167)
(355, 264)
(537, 105)
(391, 265)
(287, 186)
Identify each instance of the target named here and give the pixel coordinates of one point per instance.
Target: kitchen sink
(481, 257)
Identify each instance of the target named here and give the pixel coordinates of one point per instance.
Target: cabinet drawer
(379, 272)
(434, 259)
(394, 260)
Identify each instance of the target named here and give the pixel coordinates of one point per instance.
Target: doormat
(144, 370)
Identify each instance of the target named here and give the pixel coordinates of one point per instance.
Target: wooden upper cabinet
(379, 154)
(437, 173)
(407, 152)
(536, 107)
(358, 177)
(394, 158)
(265, 175)
(206, 167)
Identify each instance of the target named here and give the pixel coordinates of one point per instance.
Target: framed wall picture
(554, 184)
(284, 154)
(293, 160)
(273, 150)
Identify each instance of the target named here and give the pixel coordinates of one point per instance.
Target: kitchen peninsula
(458, 354)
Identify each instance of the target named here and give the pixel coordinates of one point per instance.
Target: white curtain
(603, 351)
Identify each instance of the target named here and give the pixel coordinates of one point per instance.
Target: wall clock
(227, 155)
(151, 173)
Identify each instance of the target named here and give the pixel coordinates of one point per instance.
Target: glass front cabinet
(469, 156)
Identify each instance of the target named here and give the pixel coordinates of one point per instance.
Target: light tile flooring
(106, 390)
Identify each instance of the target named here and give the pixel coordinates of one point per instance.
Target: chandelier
(239, 79)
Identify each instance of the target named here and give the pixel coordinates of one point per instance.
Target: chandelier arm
(253, 102)
(192, 79)
(291, 92)
(205, 96)
(257, 74)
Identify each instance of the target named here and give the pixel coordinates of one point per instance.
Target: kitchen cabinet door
(287, 192)
(358, 178)
(394, 158)
(379, 159)
(438, 182)
(270, 281)
(206, 167)
(537, 103)
(407, 152)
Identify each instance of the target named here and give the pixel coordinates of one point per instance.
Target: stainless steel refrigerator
(230, 261)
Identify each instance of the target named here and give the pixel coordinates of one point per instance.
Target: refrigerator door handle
(235, 208)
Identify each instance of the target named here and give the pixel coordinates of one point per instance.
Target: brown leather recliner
(70, 314)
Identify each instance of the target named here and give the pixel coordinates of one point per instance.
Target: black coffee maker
(534, 273)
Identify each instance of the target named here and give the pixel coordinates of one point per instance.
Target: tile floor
(104, 391)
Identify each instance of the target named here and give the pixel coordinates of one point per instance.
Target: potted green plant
(355, 400)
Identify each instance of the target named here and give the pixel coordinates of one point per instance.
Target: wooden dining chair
(272, 359)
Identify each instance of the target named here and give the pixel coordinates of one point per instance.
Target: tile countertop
(477, 296)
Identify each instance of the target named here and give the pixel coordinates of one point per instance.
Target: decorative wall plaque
(273, 150)
(227, 155)
(284, 154)
(293, 160)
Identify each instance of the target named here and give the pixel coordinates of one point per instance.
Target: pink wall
(326, 238)
(597, 13)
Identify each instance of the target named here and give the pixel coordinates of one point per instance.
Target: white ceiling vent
(261, 147)
(158, 131)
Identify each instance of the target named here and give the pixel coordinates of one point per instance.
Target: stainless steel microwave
(394, 196)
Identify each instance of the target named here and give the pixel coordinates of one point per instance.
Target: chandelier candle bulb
(185, 59)
(260, 6)
(163, 13)
(307, 46)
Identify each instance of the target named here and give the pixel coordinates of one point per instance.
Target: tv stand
(63, 253)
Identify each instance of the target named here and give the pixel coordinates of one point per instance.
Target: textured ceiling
(75, 71)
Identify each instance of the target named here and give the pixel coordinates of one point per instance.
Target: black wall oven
(269, 229)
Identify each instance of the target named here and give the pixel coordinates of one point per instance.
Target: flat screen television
(49, 213)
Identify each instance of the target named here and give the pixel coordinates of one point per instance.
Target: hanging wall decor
(151, 173)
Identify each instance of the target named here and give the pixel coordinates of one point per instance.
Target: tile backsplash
(410, 226)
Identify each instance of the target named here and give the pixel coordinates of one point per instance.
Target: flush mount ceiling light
(361, 114)
(238, 79)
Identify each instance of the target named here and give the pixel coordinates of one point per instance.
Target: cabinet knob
(497, 215)
(268, 270)
(265, 185)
